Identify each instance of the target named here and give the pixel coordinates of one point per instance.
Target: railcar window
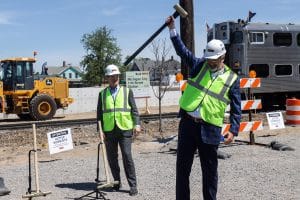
(257, 38)
(298, 39)
(237, 37)
(210, 36)
(299, 69)
(282, 39)
(262, 70)
(224, 35)
(283, 70)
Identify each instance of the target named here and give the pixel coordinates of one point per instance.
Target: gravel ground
(252, 172)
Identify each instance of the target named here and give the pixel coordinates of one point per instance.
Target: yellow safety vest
(116, 111)
(211, 94)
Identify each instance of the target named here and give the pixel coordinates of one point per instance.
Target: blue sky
(54, 28)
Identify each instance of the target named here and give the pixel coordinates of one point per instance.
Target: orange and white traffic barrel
(293, 111)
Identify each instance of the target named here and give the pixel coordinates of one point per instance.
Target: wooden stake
(37, 181)
(103, 148)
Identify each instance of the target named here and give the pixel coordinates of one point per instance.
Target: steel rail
(74, 122)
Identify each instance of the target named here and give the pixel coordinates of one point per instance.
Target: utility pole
(187, 32)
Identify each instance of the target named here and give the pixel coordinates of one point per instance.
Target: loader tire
(42, 107)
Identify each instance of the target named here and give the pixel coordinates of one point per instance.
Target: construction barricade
(249, 105)
(293, 111)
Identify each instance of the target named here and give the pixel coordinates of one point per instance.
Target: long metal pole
(175, 14)
(251, 134)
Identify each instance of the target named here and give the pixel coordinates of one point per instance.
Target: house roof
(146, 64)
(173, 64)
(60, 70)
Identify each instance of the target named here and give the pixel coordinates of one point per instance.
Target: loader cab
(17, 74)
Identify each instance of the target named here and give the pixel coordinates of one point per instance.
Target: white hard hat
(112, 70)
(214, 49)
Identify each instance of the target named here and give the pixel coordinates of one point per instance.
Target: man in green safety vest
(119, 118)
(210, 89)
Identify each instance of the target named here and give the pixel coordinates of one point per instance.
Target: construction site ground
(70, 174)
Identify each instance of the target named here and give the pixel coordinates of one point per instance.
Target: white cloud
(111, 12)
(8, 18)
(5, 18)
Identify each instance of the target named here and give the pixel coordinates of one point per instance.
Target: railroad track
(73, 122)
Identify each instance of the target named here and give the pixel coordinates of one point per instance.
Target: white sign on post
(138, 82)
(275, 120)
(59, 141)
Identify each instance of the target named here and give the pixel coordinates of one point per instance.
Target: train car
(263, 50)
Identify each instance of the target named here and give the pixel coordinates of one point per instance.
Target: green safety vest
(116, 111)
(211, 94)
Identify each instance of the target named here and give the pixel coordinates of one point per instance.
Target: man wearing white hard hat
(211, 87)
(119, 118)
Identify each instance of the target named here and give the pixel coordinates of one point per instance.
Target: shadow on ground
(86, 186)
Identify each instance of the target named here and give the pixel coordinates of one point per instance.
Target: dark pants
(124, 140)
(189, 139)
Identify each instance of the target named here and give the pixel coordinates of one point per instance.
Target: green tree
(101, 50)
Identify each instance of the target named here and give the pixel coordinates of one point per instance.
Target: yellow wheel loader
(30, 96)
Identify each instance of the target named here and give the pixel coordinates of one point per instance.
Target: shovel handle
(103, 148)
